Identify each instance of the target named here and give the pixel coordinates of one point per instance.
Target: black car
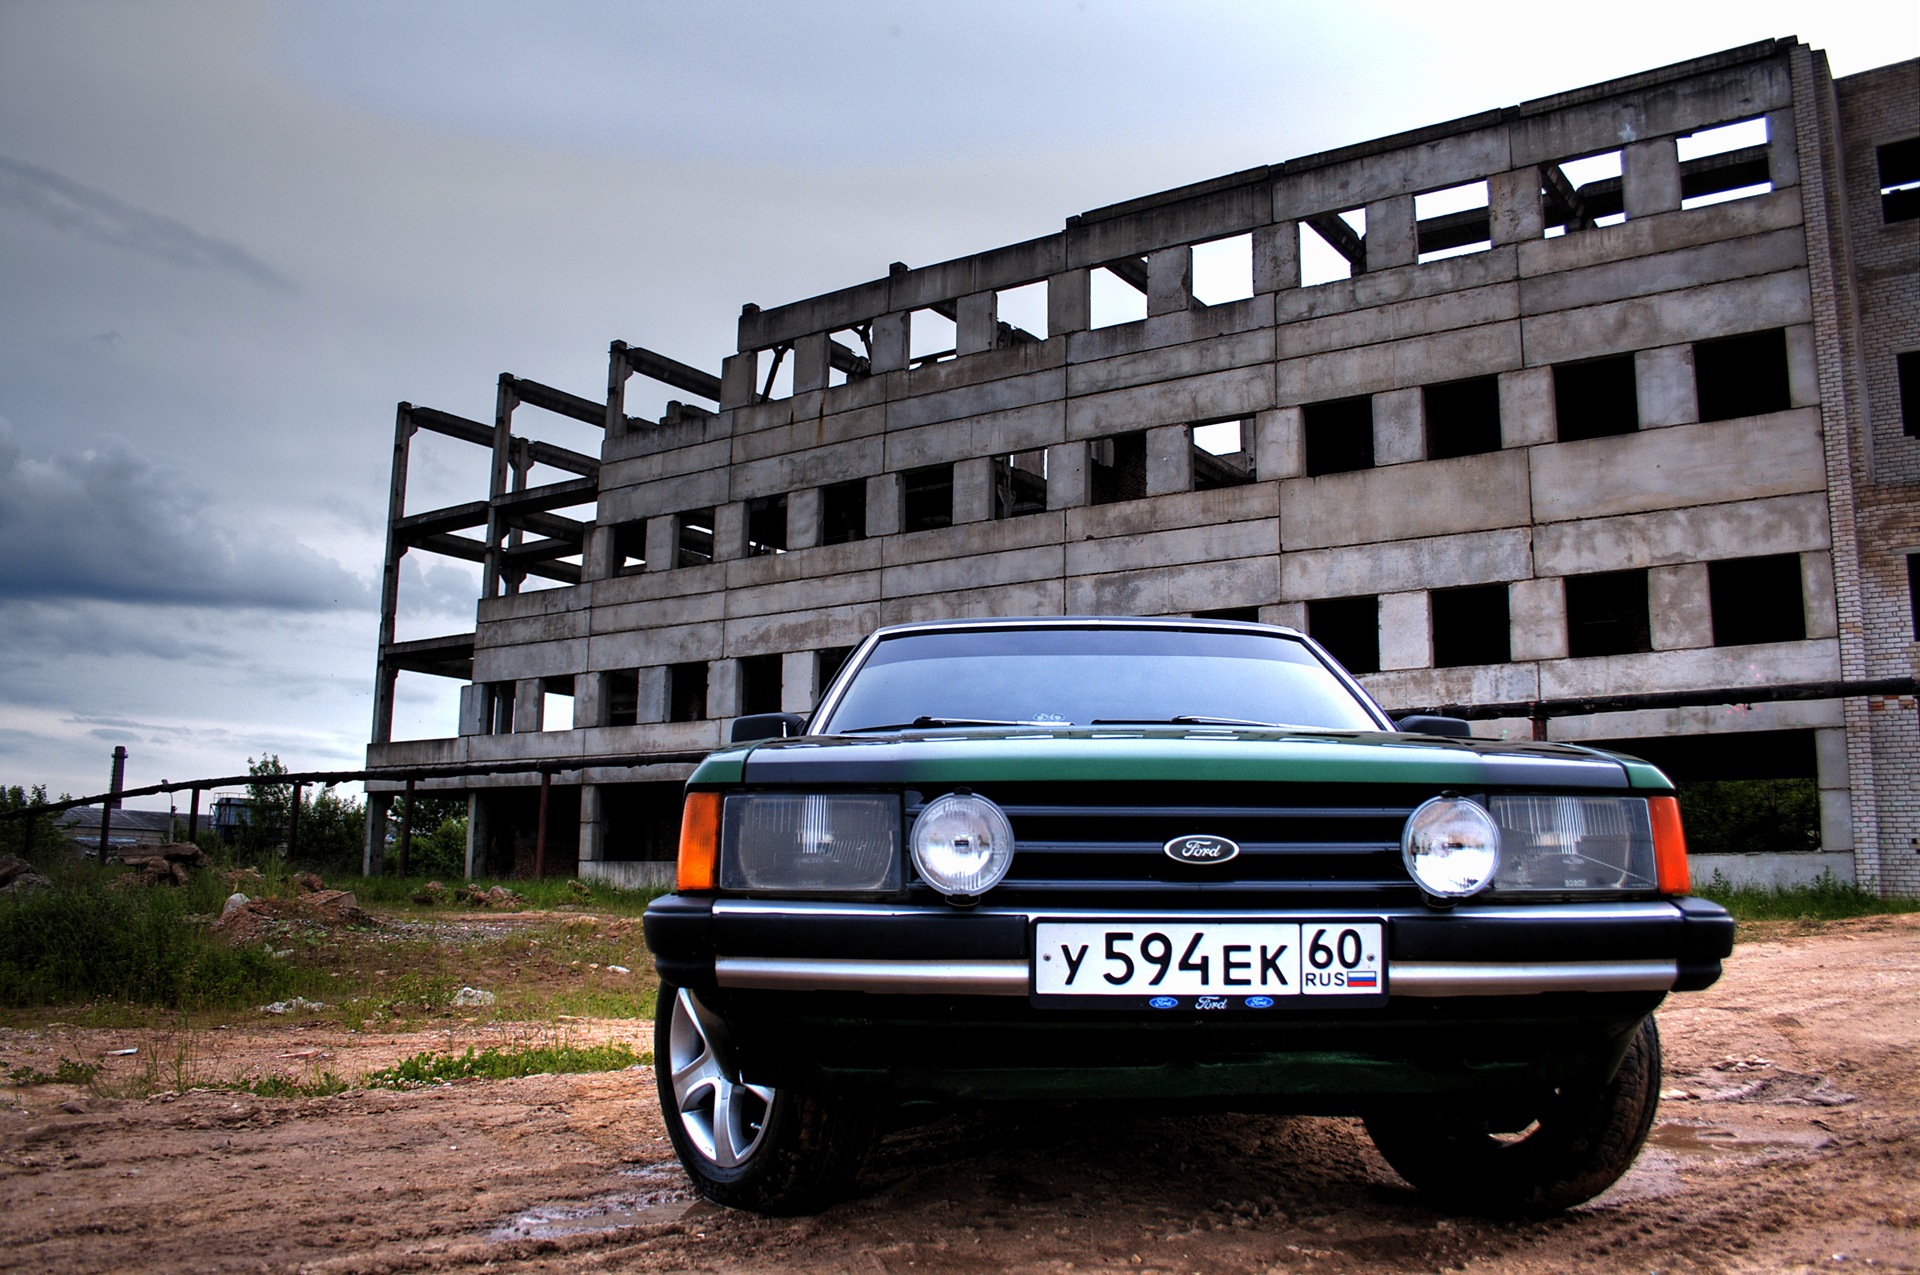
(1175, 860)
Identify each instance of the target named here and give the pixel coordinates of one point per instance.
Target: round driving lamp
(962, 845)
(1451, 847)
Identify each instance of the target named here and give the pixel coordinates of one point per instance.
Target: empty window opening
(556, 703)
(927, 498)
(1470, 626)
(1607, 614)
(1339, 435)
(850, 355)
(1907, 366)
(1463, 417)
(1757, 600)
(1726, 162)
(1742, 375)
(1250, 615)
(1333, 247)
(1223, 270)
(760, 684)
(931, 334)
(1117, 293)
(1220, 455)
(499, 708)
(687, 692)
(1595, 399)
(695, 538)
(621, 687)
(1023, 313)
(1751, 792)
(1913, 592)
(1350, 630)
(1899, 180)
(843, 512)
(1117, 468)
(629, 547)
(1582, 193)
(774, 370)
(1020, 484)
(1453, 222)
(827, 663)
(766, 526)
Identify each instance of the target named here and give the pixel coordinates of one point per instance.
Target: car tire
(1581, 1142)
(748, 1146)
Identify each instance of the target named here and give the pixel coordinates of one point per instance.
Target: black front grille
(1322, 841)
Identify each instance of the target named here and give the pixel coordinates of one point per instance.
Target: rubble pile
(165, 865)
(17, 877)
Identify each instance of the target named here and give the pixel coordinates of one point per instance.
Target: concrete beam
(1650, 176)
(1406, 630)
(1170, 280)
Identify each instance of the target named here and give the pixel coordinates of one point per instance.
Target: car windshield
(1091, 676)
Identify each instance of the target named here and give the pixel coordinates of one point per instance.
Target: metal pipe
(293, 821)
(193, 818)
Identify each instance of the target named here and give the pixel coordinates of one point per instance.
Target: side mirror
(1425, 724)
(757, 726)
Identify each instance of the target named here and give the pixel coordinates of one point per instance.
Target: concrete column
(529, 706)
(810, 363)
(1276, 257)
(1537, 611)
(663, 543)
(593, 824)
(737, 387)
(973, 490)
(1067, 476)
(1514, 211)
(1399, 426)
(723, 691)
(1783, 155)
(1169, 459)
(1665, 384)
(1836, 797)
(1526, 407)
(890, 343)
(976, 327)
(1292, 615)
(883, 505)
(1170, 280)
(596, 556)
(373, 849)
(803, 518)
(1280, 443)
(589, 700)
(473, 709)
(479, 834)
(1650, 176)
(1391, 240)
(1679, 606)
(1069, 302)
(730, 531)
(1406, 630)
(798, 694)
(1816, 592)
(650, 694)
(1803, 372)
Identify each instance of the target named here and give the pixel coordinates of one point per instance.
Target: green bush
(1750, 816)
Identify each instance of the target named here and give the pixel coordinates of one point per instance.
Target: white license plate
(1209, 964)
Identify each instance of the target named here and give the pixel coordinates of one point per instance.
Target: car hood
(1171, 754)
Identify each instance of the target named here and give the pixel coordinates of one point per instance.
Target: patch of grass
(67, 1072)
(546, 894)
(1827, 899)
(497, 1064)
(325, 1085)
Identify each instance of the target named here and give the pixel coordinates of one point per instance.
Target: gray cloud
(67, 206)
(107, 523)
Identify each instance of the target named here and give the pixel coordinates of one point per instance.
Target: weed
(496, 1064)
(325, 1085)
(68, 1072)
(1826, 899)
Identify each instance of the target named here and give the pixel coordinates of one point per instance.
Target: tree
(40, 830)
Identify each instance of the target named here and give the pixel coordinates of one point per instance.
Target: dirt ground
(1787, 1141)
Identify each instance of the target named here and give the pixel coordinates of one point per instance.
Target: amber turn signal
(1669, 845)
(700, 842)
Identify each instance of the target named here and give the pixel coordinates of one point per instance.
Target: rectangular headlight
(1574, 844)
(827, 842)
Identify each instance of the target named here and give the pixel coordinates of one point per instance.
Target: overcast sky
(233, 236)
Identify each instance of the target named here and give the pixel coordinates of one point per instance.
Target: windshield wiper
(1185, 719)
(931, 723)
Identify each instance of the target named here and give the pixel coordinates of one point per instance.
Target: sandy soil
(1787, 1141)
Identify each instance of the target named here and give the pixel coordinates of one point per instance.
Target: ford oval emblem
(1201, 848)
(1258, 1002)
(1165, 1002)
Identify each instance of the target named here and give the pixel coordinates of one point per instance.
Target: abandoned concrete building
(1610, 393)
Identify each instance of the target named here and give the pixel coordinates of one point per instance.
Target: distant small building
(128, 828)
